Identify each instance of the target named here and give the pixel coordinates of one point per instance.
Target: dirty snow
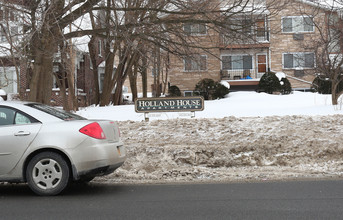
(255, 140)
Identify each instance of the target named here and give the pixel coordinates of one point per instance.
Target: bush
(174, 91)
(323, 85)
(286, 87)
(269, 83)
(210, 89)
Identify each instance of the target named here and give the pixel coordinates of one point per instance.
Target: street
(261, 200)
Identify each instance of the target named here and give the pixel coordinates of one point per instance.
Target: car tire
(47, 174)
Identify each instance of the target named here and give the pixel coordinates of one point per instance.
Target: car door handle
(22, 133)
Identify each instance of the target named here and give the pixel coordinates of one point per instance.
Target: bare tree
(46, 22)
(328, 47)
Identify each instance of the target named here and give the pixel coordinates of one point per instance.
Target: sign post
(169, 104)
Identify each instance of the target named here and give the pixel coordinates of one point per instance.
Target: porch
(242, 80)
(247, 74)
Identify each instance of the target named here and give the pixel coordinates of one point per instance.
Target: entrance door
(262, 63)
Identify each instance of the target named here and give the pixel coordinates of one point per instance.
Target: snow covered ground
(246, 137)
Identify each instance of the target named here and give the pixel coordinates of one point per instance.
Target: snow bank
(231, 149)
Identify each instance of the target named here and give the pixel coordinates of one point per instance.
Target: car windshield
(59, 113)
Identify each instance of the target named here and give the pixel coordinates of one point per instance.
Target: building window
(237, 62)
(243, 26)
(14, 33)
(101, 78)
(335, 41)
(191, 93)
(154, 72)
(298, 60)
(90, 63)
(295, 24)
(8, 79)
(3, 36)
(195, 63)
(99, 48)
(194, 29)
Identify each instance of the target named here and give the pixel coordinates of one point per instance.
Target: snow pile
(231, 149)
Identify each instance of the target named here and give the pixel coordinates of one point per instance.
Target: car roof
(37, 114)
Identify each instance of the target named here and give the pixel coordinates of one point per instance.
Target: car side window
(11, 116)
(6, 116)
(21, 119)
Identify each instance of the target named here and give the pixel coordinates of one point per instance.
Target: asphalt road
(263, 200)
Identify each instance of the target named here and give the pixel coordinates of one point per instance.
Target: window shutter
(309, 60)
(188, 64)
(247, 62)
(287, 25)
(187, 28)
(226, 63)
(203, 62)
(308, 24)
(202, 29)
(288, 60)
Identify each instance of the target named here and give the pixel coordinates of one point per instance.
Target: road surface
(262, 200)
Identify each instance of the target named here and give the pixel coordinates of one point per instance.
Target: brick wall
(285, 43)
(186, 80)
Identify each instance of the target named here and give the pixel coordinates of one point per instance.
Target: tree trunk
(158, 84)
(72, 96)
(144, 76)
(334, 94)
(43, 45)
(41, 81)
(92, 54)
(133, 82)
(108, 84)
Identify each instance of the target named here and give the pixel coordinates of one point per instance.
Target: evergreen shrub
(174, 91)
(322, 85)
(210, 89)
(286, 87)
(269, 83)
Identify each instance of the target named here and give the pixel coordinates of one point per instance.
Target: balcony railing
(240, 74)
(245, 38)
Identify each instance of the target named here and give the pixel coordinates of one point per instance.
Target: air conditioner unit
(299, 73)
(298, 36)
(225, 73)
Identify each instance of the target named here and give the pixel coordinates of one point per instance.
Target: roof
(329, 5)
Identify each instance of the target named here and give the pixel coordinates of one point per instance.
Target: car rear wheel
(47, 174)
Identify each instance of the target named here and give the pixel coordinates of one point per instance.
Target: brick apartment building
(279, 42)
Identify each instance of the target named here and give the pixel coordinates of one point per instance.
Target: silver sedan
(48, 148)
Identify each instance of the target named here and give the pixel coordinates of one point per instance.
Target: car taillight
(93, 130)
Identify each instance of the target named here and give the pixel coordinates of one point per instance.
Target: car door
(17, 131)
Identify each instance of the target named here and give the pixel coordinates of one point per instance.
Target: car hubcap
(47, 174)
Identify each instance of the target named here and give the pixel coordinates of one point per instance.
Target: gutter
(301, 80)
